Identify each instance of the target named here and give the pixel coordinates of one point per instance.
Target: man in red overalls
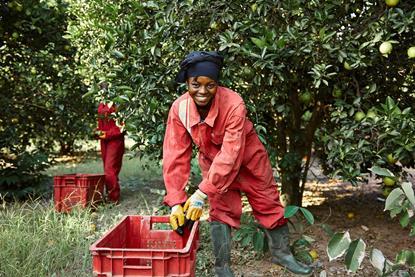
(112, 150)
(232, 160)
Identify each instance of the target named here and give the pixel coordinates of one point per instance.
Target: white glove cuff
(174, 208)
(201, 194)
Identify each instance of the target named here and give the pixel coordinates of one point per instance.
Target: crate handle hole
(160, 226)
(138, 262)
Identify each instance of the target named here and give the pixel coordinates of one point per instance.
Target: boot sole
(286, 269)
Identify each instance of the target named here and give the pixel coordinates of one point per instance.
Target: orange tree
(295, 62)
(42, 109)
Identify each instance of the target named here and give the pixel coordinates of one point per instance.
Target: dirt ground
(330, 201)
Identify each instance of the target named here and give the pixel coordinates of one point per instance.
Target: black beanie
(200, 63)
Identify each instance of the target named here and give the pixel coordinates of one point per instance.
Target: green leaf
(409, 192)
(401, 257)
(372, 88)
(410, 259)
(281, 43)
(308, 215)
(237, 236)
(151, 4)
(390, 104)
(322, 32)
(88, 94)
(118, 54)
(377, 38)
(121, 99)
(308, 238)
(395, 211)
(406, 111)
(304, 256)
(259, 241)
(326, 228)
(406, 257)
(381, 171)
(246, 240)
(404, 221)
(338, 245)
(290, 211)
(258, 42)
(301, 243)
(355, 255)
(393, 198)
(377, 260)
(122, 88)
(110, 41)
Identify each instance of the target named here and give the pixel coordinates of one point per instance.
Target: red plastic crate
(136, 247)
(72, 190)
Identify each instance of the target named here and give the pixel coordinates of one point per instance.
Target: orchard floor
(331, 203)
(343, 207)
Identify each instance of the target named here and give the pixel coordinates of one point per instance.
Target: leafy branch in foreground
(401, 200)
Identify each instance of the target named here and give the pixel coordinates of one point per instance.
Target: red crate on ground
(72, 190)
(137, 246)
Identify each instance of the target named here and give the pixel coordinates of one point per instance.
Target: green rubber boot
(278, 241)
(221, 240)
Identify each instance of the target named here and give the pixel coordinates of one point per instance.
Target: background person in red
(232, 160)
(112, 149)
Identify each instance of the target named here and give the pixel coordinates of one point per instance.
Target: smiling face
(202, 89)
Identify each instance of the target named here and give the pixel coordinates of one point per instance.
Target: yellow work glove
(176, 217)
(194, 205)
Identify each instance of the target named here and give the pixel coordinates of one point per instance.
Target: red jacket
(106, 123)
(221, 140)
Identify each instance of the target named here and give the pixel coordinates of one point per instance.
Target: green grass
(134, 171)
(37, 241)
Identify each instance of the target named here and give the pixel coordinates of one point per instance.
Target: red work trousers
(256, 181)
(112, 152)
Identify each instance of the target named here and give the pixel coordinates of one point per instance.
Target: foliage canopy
(41, 93)
(286, 58)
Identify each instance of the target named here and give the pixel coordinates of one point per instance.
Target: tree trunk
(295, 146)
(291, 185)
(295, 141)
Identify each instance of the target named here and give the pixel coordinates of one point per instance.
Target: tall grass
(37, 241)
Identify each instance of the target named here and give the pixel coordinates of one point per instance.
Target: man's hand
(194, 205)
(176, 217)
